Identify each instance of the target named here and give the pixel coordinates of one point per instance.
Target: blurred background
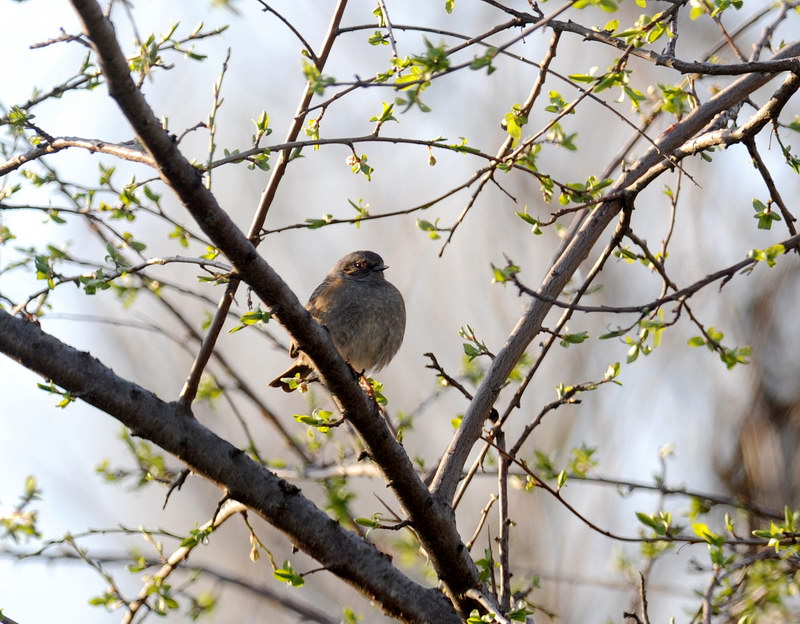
(732, 432)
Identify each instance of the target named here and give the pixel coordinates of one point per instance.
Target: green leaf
(197, 537)
(532, 221)
(612, 371)
(701, 530)
(251, 318)
(646, 520)
(520, 615)
(612, 334)
(289, 576)
(370, 523)
(578, 338)
(501, 276)
(479, 62)
(385, 115)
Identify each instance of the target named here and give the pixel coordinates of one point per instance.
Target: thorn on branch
(220, 504)
(176, 484)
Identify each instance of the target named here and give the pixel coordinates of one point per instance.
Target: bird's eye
(359, 264)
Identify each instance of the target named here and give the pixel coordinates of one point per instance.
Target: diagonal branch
(574, 253)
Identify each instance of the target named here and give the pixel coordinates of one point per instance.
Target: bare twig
(389, 29)
(450, 381)
(306, 46)
(128, 152)
(481, 521)
(211, 124)
(770, 183)
(504, 526)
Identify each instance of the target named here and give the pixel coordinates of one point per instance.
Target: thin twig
(504, 526)
(679, 295)
(212, 117)
(481, 521)
(750, 143)
(450, 381)
(489, 604)
(309, 50)
(388, 22)
(509, 141)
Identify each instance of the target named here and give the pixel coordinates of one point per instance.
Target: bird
(364, 313)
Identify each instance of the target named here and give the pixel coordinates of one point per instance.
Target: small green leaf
(578, 338)
(289, 576)
(612, 371)
(646, 520)
(370, 523)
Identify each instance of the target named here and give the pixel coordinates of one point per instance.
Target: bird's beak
(381, 267)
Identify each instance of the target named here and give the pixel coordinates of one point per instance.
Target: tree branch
(779, 63)
(679, 295)
(121, 151)
(576, 250)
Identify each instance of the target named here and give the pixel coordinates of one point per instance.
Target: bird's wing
(318, 309)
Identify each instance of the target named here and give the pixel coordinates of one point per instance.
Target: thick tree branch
(176, 431)
(714, 137)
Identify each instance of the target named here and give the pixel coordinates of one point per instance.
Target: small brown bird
(364, 313)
